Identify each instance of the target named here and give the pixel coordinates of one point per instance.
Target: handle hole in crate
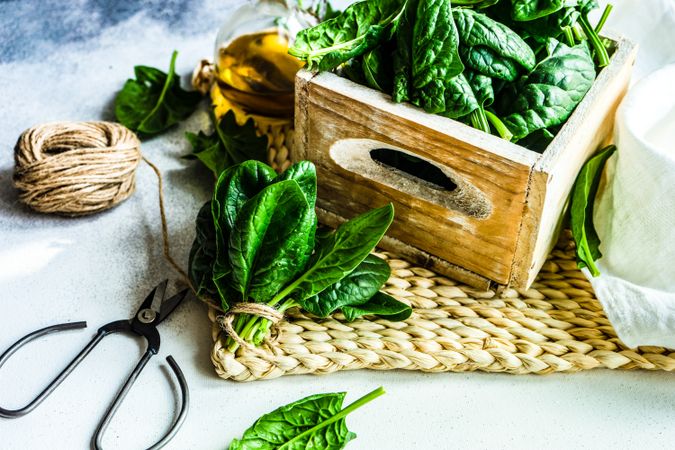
(413, 166)
(409, 173)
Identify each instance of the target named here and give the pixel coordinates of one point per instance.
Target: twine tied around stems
(254, 309)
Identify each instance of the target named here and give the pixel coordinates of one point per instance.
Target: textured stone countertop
(66, 61)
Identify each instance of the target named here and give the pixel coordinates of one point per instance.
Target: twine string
(254, 309)
(76, 168)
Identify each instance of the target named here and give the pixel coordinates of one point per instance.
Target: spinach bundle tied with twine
(513, 68)
(258, 252)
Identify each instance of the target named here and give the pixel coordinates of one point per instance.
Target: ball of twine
(76, 168)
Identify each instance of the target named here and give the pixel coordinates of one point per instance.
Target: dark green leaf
(154, 101)
(243, 182)
(270, 239)
(525, 10)
(435, 44)
(304, 172)
(581, 210)
(281, 428)
(377, 69)
(382, 305)
(460, 99)
(402, 57)
(339, 253)
(432, 96)
(477, 29)
(552, 91)
(481, 86)
(229, 144)
(361, 27)
(203, 253)
(485, 61)
(354, 289)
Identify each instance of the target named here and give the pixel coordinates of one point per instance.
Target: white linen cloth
(635, 216)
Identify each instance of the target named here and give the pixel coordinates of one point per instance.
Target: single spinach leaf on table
(581, 210)
(382, 305)
(340, 252)
(553, 89)
(361, 27)
(269, 240)
(354, 289)
(314, 422)
(228, 145)
(154, 101)
(435, 53)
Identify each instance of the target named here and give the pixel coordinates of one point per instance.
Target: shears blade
(157, 302)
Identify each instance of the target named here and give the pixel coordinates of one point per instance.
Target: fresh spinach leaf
(487, 62)
(229, 144)
(354, 289)
(245, 181)
(435, 45)
(304, 173)
(477, 29)
(525, 10)
(476, 4)
(431, 97)
(234, 187)
(203, 253)
(340, 253)
(553, 89)
(154, 101)
(581, 210)
(361, 27)
(402, 57)
(382, 305)
(314, 422)
(269, 241)
(460, 99)
(377, 68)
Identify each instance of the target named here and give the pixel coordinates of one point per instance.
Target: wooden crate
(501, 221)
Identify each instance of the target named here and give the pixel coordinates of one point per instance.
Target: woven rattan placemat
(555, 326)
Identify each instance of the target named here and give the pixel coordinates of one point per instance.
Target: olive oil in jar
(256, 73)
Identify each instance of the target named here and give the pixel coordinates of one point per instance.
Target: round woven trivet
(555, 326)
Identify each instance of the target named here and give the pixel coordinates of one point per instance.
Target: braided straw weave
(556, 326)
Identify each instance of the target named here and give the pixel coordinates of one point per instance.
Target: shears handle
(152, 338)
(14, 413)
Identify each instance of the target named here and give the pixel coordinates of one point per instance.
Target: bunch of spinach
(515, 68)
(154, 101)
(314, 422)
(257, 241)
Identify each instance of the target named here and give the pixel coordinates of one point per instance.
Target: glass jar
(254, 74)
